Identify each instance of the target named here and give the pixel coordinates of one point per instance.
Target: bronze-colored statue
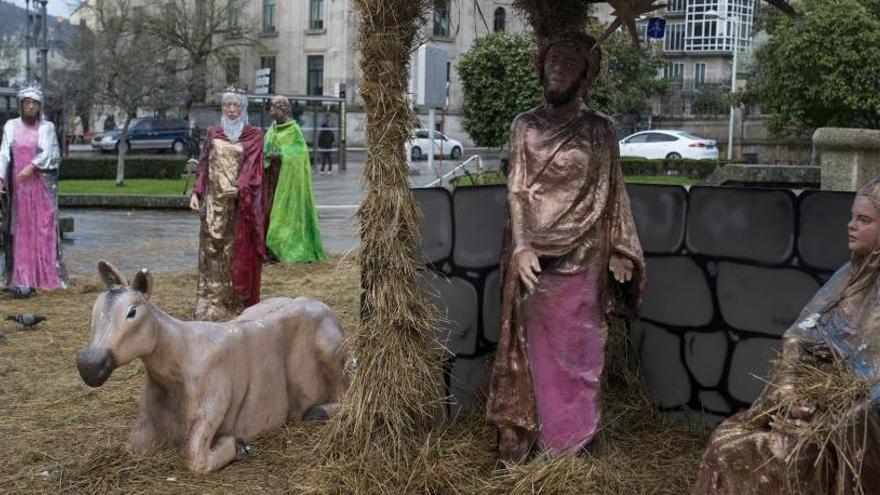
(763, 450)
(213, 386)
(229, 198)
(571, 256)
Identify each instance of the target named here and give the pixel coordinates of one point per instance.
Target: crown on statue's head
(235, 90)
(30, 89)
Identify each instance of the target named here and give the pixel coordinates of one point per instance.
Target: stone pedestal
(849, 157)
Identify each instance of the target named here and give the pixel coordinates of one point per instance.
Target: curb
(123, 201)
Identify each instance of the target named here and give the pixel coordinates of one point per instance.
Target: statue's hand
(621, 268)
(27, 171)
(194, 202)
(528, 267)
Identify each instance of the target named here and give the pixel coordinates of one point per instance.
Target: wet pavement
(167, 240)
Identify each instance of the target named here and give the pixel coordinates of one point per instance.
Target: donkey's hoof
(242, 448)
(316, 413)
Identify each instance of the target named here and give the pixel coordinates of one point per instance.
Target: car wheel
(456, 153)
(178, 147)
(416, 153)
(673, 156)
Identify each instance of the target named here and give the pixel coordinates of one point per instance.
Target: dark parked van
(148, 133)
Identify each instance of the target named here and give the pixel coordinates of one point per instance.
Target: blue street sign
(656, 27)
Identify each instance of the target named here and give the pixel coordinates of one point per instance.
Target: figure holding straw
(816, 427)
(571, 257)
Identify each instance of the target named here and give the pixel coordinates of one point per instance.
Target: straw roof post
(395, 390)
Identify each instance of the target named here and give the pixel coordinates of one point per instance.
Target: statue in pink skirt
(570, 238)
(29, 157)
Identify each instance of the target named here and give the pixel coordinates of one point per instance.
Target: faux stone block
(479, 225)
(705, 355)
(822, 226)
(766, 300)
(456, 303)
(436, 227)
(659, 213)
(663, 367)
(492, 307)
(750, 224)
(677, 292)
(751, 365)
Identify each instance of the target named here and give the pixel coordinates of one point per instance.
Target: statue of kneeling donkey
(213, 386)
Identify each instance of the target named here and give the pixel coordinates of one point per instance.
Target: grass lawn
(146, 187)
(676, 180)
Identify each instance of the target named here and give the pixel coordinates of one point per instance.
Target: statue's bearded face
(30, 108)
(564, 73)
(231, 110)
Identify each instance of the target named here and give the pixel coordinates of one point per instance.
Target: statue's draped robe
(747, 452)
(35, 258)
(566, 202)
(231, 240)
(293, 234)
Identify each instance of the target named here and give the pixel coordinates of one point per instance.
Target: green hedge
(135, 168)
(697, 169)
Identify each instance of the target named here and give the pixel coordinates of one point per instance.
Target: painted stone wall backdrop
(728, 271)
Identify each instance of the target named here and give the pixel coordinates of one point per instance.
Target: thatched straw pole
(396, 388)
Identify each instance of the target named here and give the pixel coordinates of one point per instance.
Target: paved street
(167, 240)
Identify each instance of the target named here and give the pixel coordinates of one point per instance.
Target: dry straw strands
(831, 436)
(52, 423)
(553, 17)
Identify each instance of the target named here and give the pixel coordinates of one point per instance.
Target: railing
(460, 166)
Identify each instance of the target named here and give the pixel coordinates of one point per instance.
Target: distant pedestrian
(109, 123)
(193, 138)
(326, 139)
(78, 130)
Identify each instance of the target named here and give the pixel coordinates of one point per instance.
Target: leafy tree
(823, 73)
(200, 32)
(499, 82)
(120, 64)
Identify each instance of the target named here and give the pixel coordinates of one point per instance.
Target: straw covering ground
(60, 436)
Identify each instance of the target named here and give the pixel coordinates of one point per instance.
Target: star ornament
(625, 14)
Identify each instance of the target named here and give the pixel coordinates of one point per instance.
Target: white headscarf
(234, 127)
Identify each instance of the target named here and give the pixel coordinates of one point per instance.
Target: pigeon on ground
(21, 291)
(26, 319)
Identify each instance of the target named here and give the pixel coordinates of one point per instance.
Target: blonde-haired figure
(755, 453)
(228, 197)
(29, 158)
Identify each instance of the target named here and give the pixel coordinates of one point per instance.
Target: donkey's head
(122, 328)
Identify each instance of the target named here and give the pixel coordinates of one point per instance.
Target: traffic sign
(656, 27)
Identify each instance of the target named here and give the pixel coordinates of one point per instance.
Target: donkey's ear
(110, 275)
(143, 283)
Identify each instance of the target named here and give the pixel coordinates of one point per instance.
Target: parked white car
(419, 144)
(670, 145)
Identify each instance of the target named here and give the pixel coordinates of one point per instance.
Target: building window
(441, 18)
(674, 39)
(269, 63)
(500, 19)
(233, 68)
(676, 6)
(673, 70)
(315, 75)
(316, 14)
(711, 32)
(233, 12)
(268, 16)
(699, 74)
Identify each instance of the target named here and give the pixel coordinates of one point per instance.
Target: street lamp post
(735, 22)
